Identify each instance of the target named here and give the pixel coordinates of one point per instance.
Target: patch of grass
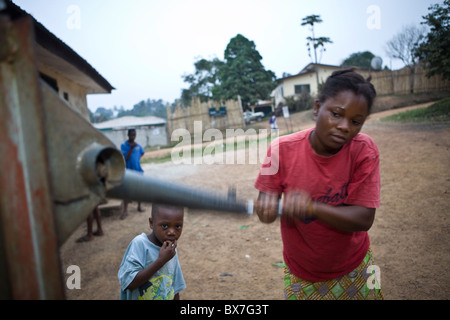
(437, 112)
(212, 150)
(161, 159)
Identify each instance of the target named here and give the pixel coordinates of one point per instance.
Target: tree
(359, 59)
(434, 51)
(243, 73)
(101, 114)
(202, 81)
(403, 47)
(145, 108)
(315, 42)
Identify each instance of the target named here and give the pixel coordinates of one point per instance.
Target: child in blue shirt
(150, 269)
(132, 152)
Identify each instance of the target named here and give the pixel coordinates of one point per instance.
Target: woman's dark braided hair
(348, 79)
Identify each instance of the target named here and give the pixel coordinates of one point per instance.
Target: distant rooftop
(310, 68)
(129, 122)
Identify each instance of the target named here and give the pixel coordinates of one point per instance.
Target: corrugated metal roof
(130, 122)
(50, 42)
(310, 68)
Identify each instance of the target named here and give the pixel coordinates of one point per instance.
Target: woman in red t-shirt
(330, 182)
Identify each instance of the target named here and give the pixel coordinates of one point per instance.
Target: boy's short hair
(157, 206)
(131, 130)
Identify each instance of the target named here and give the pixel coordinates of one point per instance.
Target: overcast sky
(143, 47)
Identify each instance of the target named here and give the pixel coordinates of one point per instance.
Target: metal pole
(137, 187)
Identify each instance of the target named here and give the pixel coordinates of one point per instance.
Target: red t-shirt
(316, 251)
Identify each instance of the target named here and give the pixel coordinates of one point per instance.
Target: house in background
(150, 131)
(303, 82)
(72, 77)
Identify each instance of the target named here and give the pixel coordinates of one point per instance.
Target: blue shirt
(134, 163)
(163, 285)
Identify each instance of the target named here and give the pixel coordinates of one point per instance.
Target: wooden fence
(389, 82)
(386, 82)
(185, 117)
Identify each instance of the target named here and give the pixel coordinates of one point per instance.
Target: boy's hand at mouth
(167, 250)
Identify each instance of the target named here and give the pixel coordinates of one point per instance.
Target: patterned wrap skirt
(363, 283)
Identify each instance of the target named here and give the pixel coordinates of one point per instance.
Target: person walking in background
(132, 152)
(273, 123)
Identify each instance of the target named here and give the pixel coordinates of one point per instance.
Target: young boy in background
(132, 152)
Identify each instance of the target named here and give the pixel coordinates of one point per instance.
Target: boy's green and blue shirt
(163, 285)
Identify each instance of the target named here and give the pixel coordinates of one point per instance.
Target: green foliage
(202, 81)
(316, 43)
(359, 59)
(434, 51)
(403, 45)
(236, 145)
(299, 103)
(101, 114)
(145, 108)
(314, 18)
(243, 73)
(439, 111)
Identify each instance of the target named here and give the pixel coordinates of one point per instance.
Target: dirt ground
(231, 256)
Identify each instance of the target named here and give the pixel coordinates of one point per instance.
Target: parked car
(250, 116)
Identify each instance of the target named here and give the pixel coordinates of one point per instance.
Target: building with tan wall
(303, 82)
(386, 82)
(150, 131)
(72, 77)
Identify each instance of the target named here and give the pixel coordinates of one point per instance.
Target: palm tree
(316, 42)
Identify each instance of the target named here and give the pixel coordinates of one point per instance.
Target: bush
(297, 103)
(437, 112)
